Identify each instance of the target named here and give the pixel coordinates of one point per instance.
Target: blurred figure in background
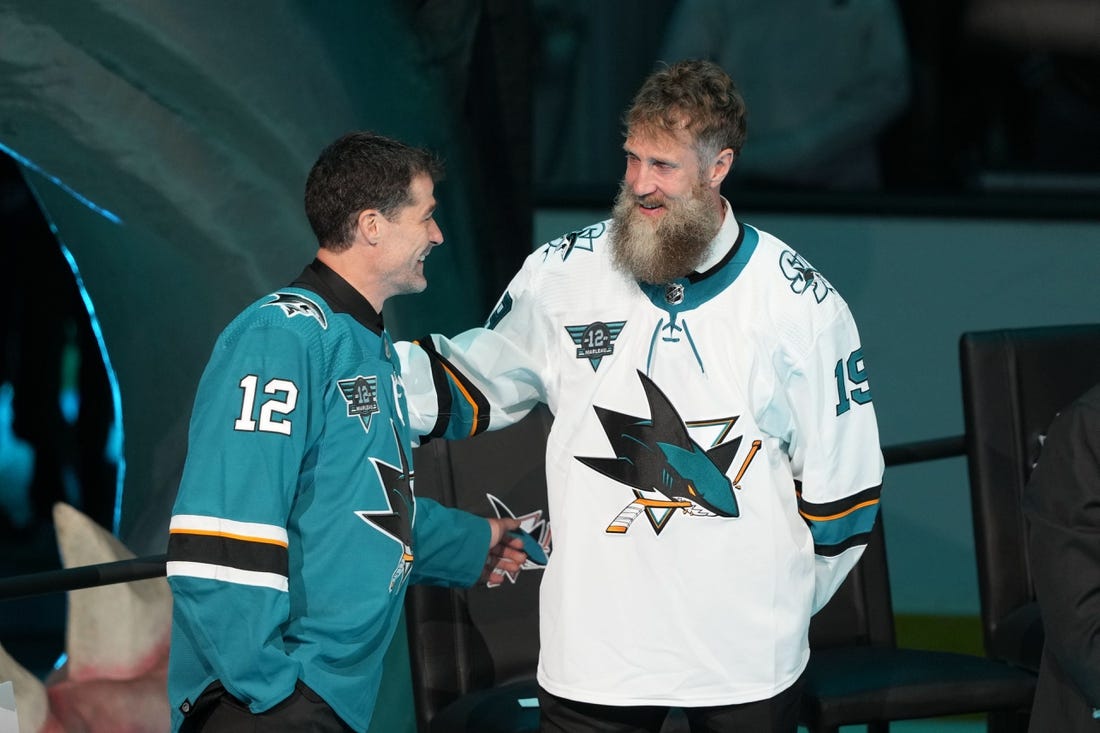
(822, 78)
(1039, 79)
(1062, 507)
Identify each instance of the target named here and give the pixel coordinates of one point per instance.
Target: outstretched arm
(456, 548)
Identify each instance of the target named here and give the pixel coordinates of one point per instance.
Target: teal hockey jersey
(296, 531)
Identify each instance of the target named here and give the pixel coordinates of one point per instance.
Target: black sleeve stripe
(840, 506)
(262, 557)
(445, 370)
(442, 387)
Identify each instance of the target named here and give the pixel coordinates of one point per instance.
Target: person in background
(296, 530)
(824, 80)
(1061, 504)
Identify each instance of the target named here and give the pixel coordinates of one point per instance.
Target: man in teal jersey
(296, 530)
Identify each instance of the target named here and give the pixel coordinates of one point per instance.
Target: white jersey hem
(699, 700)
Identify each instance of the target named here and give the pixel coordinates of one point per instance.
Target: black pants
(778, 714)
(216, 711)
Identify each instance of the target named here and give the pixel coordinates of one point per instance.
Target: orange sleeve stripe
(469, 399)
(228, 535)
(844, 513)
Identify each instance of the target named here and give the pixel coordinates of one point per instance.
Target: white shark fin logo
(298, 305)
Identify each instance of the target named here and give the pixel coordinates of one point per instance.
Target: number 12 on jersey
(283, 402)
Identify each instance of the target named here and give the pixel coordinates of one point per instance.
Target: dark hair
(696, 96)
(358, 171)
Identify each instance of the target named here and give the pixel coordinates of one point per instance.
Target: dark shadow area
(55, 416)
(940, 107)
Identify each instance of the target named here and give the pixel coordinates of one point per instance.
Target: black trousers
(778, 714)
(216, 711)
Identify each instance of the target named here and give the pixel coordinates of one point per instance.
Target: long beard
(672, 248)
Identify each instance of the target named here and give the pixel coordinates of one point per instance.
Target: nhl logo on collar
(596, 340)
(674, 293)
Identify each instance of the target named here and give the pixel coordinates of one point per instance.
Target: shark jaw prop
(116, 639)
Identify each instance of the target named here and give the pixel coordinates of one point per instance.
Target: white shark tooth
(116, 631)
(31, 703)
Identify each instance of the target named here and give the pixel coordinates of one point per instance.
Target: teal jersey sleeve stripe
(839, 524)
(839, 530)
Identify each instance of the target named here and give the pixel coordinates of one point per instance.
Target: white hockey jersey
(713, 468)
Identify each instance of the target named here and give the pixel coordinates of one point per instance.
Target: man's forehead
(658, 141)
(422, 188)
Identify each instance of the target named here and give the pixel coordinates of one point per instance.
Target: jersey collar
(721, 247)
(339, 294)
(737, 241)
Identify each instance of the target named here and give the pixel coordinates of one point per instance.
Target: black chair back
(484, 639)
(858, 675)
(1013, 382)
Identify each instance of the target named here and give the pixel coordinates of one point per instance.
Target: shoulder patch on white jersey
(582, 239)
(802, 276)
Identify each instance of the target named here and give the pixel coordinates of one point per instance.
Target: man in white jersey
(713, 470)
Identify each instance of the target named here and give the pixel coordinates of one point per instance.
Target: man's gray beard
(671, 249)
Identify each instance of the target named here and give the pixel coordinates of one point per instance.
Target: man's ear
(371, 223)
(721, 168)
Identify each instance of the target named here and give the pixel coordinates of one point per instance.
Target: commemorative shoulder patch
(361, 394)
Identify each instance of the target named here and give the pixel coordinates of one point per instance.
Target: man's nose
(640, 180)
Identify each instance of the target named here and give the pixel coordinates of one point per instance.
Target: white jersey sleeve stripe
(227, 575)
(252, 531)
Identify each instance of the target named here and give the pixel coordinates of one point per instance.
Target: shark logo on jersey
(657, 454)
(596, 340)
(395, 522)
(581, 239)
(803, 276)
(532, 523)
(361, 394)
(298, 305)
